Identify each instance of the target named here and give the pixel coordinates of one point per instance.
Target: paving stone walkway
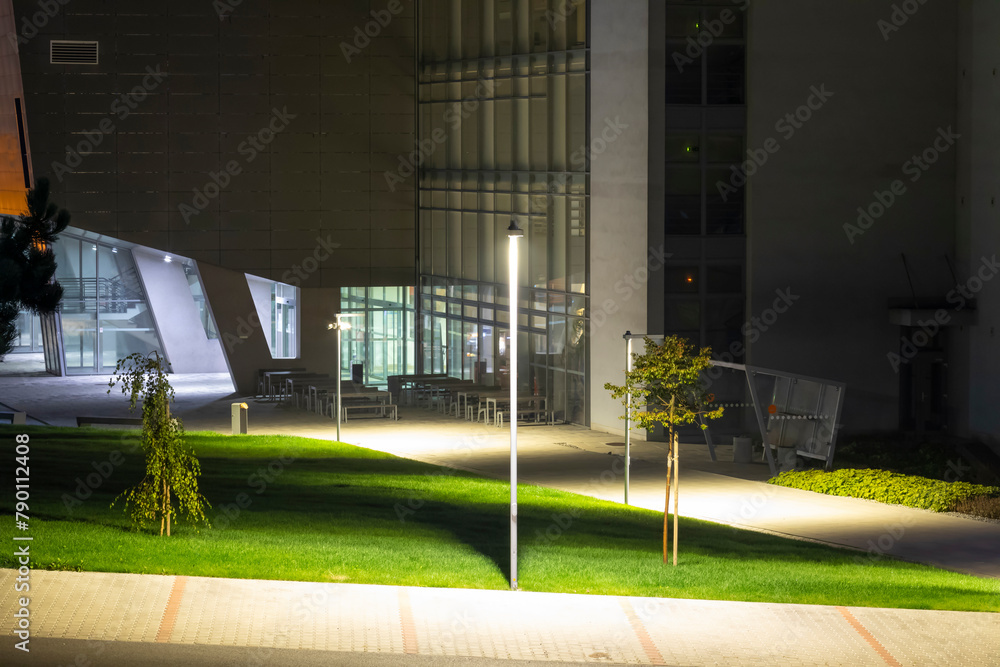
(268, 617)
(265, 616)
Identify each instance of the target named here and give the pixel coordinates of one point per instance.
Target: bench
(370, 405)
(115, 421)
(523, 415)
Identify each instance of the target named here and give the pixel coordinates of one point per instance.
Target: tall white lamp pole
(514, 233)
(628, 410)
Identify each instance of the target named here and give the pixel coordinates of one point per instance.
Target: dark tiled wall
(226, 68)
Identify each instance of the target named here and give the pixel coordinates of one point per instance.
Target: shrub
(886, 487)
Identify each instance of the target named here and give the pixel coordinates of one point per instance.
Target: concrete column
(619, 136)
(975, 354)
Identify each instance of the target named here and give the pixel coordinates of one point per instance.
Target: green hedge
(885, 487)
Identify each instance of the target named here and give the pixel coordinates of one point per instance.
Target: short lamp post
(339, 326)
(514, 233)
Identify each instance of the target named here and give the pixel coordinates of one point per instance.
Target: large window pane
(726, 65)
(683, 75)
(682, 199)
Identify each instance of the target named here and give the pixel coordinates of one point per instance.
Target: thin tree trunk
(666, 505)
(677, 485)
(164, 516)
(666, 502)
(166, 488)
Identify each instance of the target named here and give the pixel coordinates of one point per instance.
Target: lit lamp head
(514, 231)
(340, 324)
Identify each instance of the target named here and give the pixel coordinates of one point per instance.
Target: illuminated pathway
(576, 459)
(258, 621)
(571, 458)
(112, 619)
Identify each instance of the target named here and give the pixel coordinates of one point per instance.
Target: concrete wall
(976, 353)
(185, 343)
(260, 292)
(220, 77)
(619, 79)
(890, 97)
(243, 342)
(319, 305)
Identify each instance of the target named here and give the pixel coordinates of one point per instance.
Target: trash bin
(357, 373)
(742, 449)
(239, 412)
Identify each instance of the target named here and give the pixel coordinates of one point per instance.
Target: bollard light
(239, 413)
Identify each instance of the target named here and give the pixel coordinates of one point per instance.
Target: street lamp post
(628, 336)
(514, 233)
(628, 410)
(339, 326)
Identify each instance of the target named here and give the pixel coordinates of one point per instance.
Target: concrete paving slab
(269, 617)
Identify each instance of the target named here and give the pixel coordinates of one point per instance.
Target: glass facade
(704, 195)
(104, 312)
(198, 294)
(503, 133)
(382, 339)
(284, 320)
(29, 333)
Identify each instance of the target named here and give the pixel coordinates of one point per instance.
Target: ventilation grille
(72, 52)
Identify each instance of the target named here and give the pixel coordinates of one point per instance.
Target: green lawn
(333, 512)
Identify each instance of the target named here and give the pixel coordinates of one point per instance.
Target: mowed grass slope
(298, 509)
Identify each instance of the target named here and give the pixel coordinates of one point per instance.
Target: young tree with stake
(666, 387)
(171, 469)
